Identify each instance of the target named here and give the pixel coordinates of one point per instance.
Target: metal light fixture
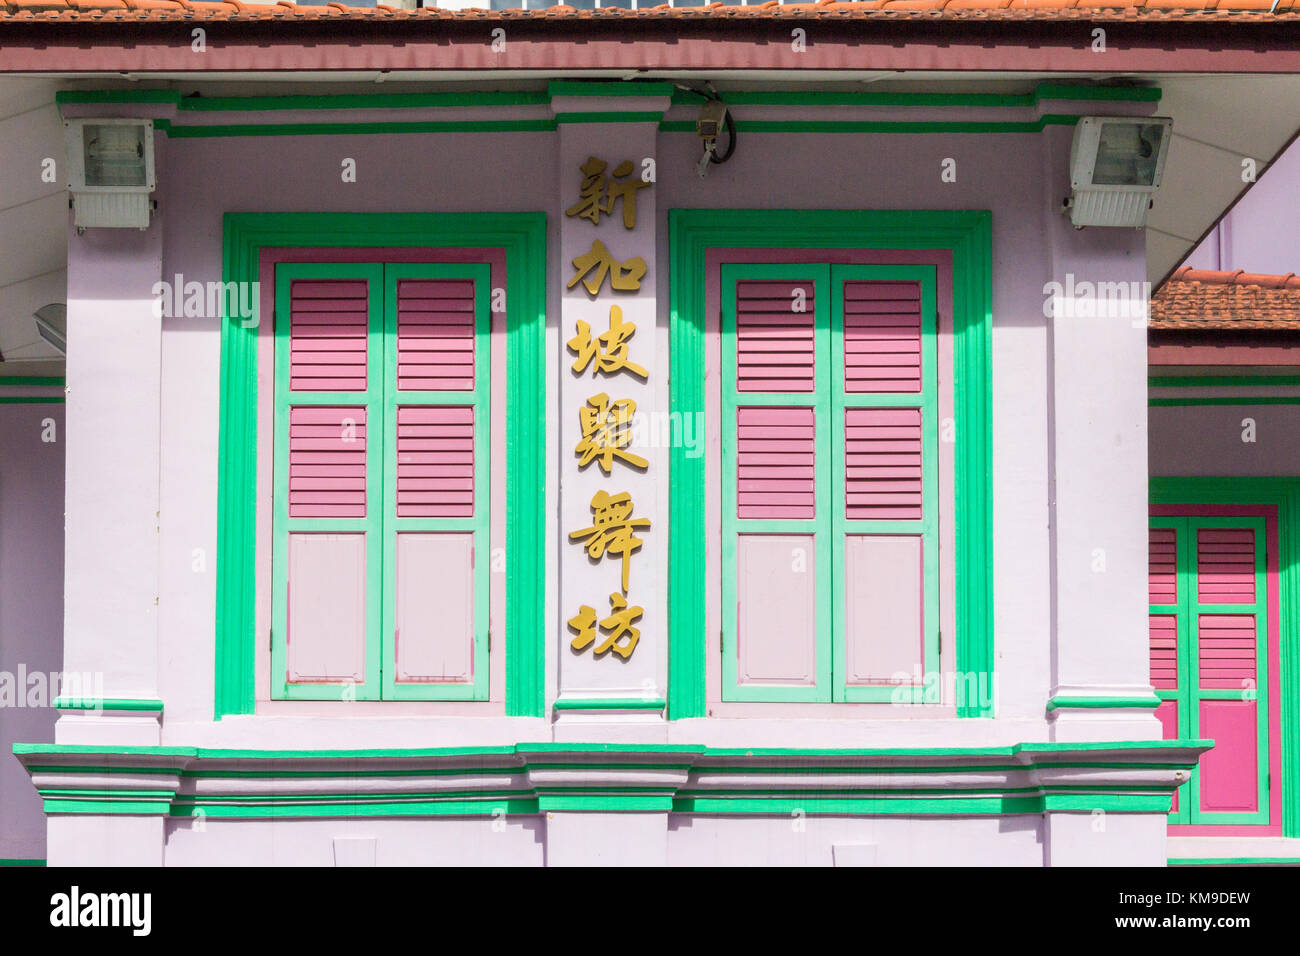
(52, 324)
(110, 171)
(1116, 163)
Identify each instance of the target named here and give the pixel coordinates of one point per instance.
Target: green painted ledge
(1066, 702)
(108, 703)
(1235, 861)
(1225, 400)
(33, 381)
(336, 101)
(1221, 381)
(611, 703)
(22, 862)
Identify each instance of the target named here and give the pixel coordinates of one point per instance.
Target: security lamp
(52, 324)
(110, 171)
(1115, 167)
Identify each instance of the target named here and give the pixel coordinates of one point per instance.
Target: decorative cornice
(1124, 777)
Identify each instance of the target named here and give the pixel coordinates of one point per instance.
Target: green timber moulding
(968, 236)
(523, 237)
(405, 101)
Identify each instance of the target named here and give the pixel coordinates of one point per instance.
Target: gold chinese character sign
(609, 349)
(592, 268)
(598, 194)
(607, 433)
(613, 529)
(621, 637)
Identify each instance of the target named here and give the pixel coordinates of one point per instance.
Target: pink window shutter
(775, 345)
(882, 337)
(435, 461)
(1162, 566)
(327, 461)
(882, 463)
(776, 463)
(435, 335)
(328, 323)
(1225, 566)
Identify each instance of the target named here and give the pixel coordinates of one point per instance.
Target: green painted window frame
(967, 236)
(1189, 693)
(522, 238)
(830, 526)
(1282, 493)
(381, 399)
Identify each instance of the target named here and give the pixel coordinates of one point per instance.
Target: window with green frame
(830, 582)
(381, 462)
(1209, 627)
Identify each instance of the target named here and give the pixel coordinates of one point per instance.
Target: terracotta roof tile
(110, 11)
(1202, 299)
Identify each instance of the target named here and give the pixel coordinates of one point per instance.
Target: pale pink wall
(515, 171)
(31, 604)
(1258, 234)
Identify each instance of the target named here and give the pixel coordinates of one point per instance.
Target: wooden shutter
(776, 579)
(1229, 620)
(436, 516)
(327, 567)
(1208, 634)
(884, 398)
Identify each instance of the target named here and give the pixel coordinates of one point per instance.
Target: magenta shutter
(435, 461)
(775, 462)
(328, 328)
(326, 567)
(327, 461)
(882, 337)
(1162, 574)
(1225, 566)
(775, 347)
(435, 335)
(434, 600)
(882, 463)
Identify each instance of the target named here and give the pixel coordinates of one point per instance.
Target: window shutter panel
(882, 464)
(776, 462)
(885, 391)
(882, 337)
(775, 344)
(1226, 650)
(776, 575)
(330, 572)
(435, 335)
(438, 536)
(329, 321)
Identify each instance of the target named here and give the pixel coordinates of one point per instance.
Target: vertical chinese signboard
(611, 590)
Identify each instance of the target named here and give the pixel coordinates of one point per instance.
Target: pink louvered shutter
(327, 397)
(438, 523)
(885, 533)
(775, 341)
(1227, 642)
(882, 463)
(329, 325)
(776, 462)
(882, 337)
(776, 415)
(435, 335)
(1163, 629)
